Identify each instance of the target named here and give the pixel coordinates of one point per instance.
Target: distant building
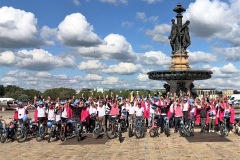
(203, 92)
(227, 92)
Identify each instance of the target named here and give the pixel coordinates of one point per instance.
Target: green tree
(2, 90)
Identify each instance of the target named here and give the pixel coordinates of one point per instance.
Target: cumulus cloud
(215, 19)
(230, 54)
(142, 16)
(36, 59)
(7, 58)
(48, 34)
(115, 2)
(154, 58)
(110, 80)
(158, 34)
(201, 57)
(115, 47)
(91, 65)
(142, 77)
(126, 24)
(123, 68)
(229, 68)
(92, 77)
(18, 29)
(76, 2)
(75, 31)
(152, 1)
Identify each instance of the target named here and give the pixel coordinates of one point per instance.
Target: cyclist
(131, 110)
(21, 112)
(76, 111)
(101, 112)
(138, 113)
(85, 115)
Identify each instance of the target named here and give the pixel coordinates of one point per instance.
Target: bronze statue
(185, 35)
(173, 35)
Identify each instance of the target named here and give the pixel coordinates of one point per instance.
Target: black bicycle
(113, 129)
(139, 128)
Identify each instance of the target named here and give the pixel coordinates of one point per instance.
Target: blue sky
(113, 43)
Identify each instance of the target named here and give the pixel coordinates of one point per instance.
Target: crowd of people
(205, 112)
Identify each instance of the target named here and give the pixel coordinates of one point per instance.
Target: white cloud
(74, 31)
(126, 24)
(229, 68)
(215, 19)
(18, 29)
(48, 34)
(123, 68)
(115, 47)
(230, 54)
(158, 34)
(142, 16)
(201, 57)
(110, 80)
(142, 77)
(9, 80)
(43, 74)
(7, 58)
(154, 58)
(91, 65)
(92, 77)
(18, 74)
(115, 2)
(76, 2)
(152, 1)
(41, 60)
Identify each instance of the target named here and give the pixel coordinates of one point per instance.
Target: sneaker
(230, 132)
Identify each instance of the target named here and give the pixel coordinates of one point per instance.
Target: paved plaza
(162, 147)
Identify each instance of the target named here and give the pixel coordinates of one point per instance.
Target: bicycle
(66, 129)
(153, 131)
(191, 127)
(41, 131)
(130, 127)
(237, 125)
(54, 131)
(97, 130)
(166, 126)
(114, 130)
(183, 131)
(139, 128)
(223, 128)
(22, 131)
(8, 132)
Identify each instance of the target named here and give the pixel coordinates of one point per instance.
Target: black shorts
(41, 119)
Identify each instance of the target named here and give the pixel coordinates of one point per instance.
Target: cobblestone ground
(162, 147)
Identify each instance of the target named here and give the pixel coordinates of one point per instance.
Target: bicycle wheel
(21, 135)
(222, 130)
(120, 136)
(138, 132)
(110, 132)
(167, 131)
(181, 132)
(40, 134)
(4, 136)
(96, 133)
(152, 133)
(130, 134)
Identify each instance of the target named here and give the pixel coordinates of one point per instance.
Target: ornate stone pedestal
(180, 62)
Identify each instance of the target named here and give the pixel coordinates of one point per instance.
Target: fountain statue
(180, 77)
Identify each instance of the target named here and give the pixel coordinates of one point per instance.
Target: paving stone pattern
(158, 148)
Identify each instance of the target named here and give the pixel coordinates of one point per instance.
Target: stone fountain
(180, 76)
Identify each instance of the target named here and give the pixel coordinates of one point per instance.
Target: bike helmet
(165, 118)
(62, 102)
(31, 122)
(75, 102)
(124, 112)
(185, 99)
(49, 124)
(20, 103)
(154, 107)
(87, 103)
(25, 118)
(69, 121)
(40, 103)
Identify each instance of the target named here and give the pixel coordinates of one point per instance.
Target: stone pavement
(162, 147)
